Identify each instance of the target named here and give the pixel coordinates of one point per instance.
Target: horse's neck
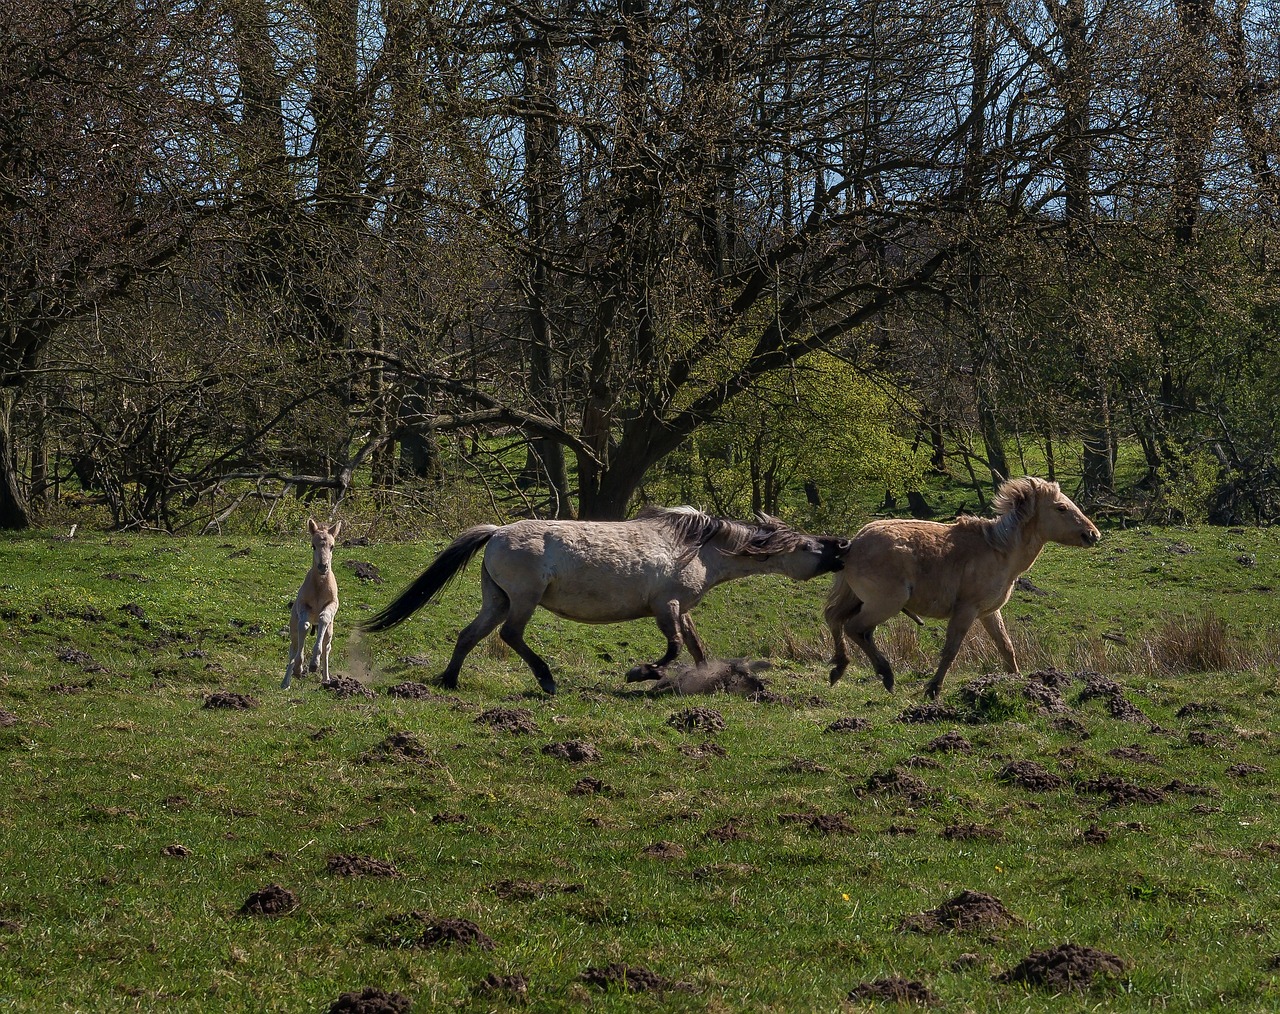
(1024, 549)
(319, 591)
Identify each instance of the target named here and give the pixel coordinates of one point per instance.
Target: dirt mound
(632, 979)
(589, 787)
(229, 699)
(7, 718)
(1121, 792)
(919, 714)
(345, 686)
(664, 850)
(363, 570)
(1064, 967)
(74, 656)
(697, 720)
(409, 690)
(514, 986)
(517, 721)
(803, 766)
(704, 749)
(398, 747)
(1097, 686)
(576, 751)
(1195, 709)
(714, 676)
(851, 724)
(971, 832)
(371, 1000)
(893, 989)
(1189, 789)
(271, 900)
(966, 911)
(1029, 775)
(1134, 753)
(730, 830)
(896, 781)
(827, 823)
(360, 866)
(420, 931)
(949, 742)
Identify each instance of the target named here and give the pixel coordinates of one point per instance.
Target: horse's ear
(312, 527)
(337, 527)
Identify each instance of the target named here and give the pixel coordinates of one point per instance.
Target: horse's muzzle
(1091, 537)
(833, 553)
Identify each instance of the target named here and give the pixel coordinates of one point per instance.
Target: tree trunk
(13, 510)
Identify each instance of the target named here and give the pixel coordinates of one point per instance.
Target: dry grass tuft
(1190, 644)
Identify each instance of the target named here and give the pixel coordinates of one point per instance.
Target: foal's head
(322, 539)
(1031, 501)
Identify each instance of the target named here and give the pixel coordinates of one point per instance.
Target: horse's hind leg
(513, 633)
(864, 638)
(297, 646)
(493, 610)
(697, 650)
(324, 640)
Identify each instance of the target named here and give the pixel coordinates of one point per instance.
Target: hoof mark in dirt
(827, 823)
(697, 720)
(416, 692)
(345, 686)
(949, 742)
(271, 900)
(398, 747)
(1064, 967)
(893, 989)
(230, 700)
(575, 751)
(918, 714)
(589, 787)
(360, 866)
(363, 570)
(1121, 792)
(968, 910)
(371, 1000)
(1029, 775)
(632, 979)
(516, 721)
(514, 986)
(852, 724)
(420, 931)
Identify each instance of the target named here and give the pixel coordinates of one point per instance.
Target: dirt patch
(826, 823)
(420, 931)
(1097, 686)
(1120, 791)
(229, 699)
(697, 720)
(632, 979)
(409, 690)
(7, 718)
(516, 721)
(176, 851)
(715, 676)
(698, 751)
(1197, 709)
(1245, 770)
(360, 866)
(664, 850)
(364, 570)
(968, 910)
(851, 724)
(589, 787)
(919, 714)
(803, 766)
(1064, 967)
(1134, 753)
(730, 830)
(893, 989)
(345, 686)
(272, 900)
(896, 781)
(399, 748)
(971, 832)
(1029, 775)
(515, 986)
(371, 1000)
(949, 742)
(575, 751)
(74, 656)
(1189, 789)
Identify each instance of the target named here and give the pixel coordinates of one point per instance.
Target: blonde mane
(1015, 502)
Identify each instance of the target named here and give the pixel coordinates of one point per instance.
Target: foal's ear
(337, 527)
(312, 527)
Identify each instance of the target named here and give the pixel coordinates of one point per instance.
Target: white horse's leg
(994, 624)
(957, 627)
(518, 617)
(691, 639)
(493, 610)
(297, 644)
(667, 616)
(324, 638)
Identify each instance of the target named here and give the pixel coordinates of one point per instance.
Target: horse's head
(807, 555)
(1052, 511)
(323, 538)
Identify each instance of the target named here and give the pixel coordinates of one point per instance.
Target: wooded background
(576, 253)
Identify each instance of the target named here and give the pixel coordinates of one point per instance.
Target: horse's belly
(594, 606)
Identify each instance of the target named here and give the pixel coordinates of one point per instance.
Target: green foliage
(1188, 483)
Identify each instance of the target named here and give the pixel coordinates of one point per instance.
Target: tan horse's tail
(443, 569)
(841, 602)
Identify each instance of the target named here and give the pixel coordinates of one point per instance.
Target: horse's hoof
(313, 667)
(548, 684)
(284, 684)
(888, 682)
(643, 672)
(834, 678)
(449, 682)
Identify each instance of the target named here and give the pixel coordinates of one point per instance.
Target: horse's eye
(1062, 507)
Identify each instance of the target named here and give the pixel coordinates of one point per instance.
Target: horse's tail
(444, 568)
(841, 602)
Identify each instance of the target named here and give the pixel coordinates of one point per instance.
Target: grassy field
(434, 848)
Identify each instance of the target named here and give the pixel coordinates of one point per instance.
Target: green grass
(104, 771)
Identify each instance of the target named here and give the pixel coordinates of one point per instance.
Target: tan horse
(959, 572)
(659, 564)
(316, 604)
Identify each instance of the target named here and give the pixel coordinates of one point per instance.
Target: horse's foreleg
(667, 616)
(324, 639)
(297, 645)
(957, 628)
(994, 624)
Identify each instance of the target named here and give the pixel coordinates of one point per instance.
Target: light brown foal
(316, 604)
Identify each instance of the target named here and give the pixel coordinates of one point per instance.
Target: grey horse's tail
(444, 568)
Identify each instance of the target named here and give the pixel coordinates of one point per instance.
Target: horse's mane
(695, 529)
(1015, 503)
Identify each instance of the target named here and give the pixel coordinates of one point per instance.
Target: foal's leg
(324, 638)
(959, 624)
(994, 624)
(493, 610)
(297, 645)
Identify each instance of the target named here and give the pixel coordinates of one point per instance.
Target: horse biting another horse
(316, 604)
(959, 572)
(659, 564)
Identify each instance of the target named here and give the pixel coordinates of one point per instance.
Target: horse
(316, 604)
(660, 564)
(959, 572)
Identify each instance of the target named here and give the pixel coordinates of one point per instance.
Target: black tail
(444, 568)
